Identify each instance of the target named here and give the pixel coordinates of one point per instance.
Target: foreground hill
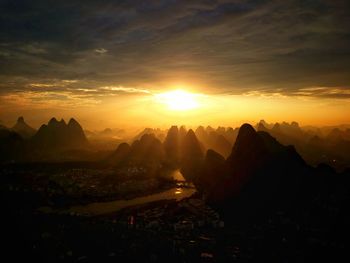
(262, 175)
(11, 145)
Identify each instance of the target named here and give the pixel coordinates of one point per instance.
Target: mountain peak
(23, 129)
(261, 127)
(191, 133)
(295, 124)
(73, 122)
(248, 142)
(57, 135)
(173, 129)
(53, 121)
(245, 134)
(20, 120)
(191, 156)
(246, 128)
(200, 129)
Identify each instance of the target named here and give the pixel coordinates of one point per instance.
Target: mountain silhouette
(144, 156)
(158, 133)
(120, 155)
(219, 143)
(148, 151)
(172, 147)
(211, 175)
(259, 171)
(11, 145)
(191, 156)
(57, 135)
(337, 135)
(261, 127)
(216, 140)
(202, 134)
(23, 129)
(182, 133)
(2, 127)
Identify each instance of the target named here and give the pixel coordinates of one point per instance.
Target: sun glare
(178, 100)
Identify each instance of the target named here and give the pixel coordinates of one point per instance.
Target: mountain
(265, 124)
(182, 133)
(120, 155)
(219, 143)
(2, 127)
(57, 136)
(338, 135)
(261, 127)
(211, 175)
(158, 133)
(148, 151)
(11, 145)
(209, 129)
(216, 140)
(172, 147)
(192, 156)
(108, 133)
(201, 134)
(259, 171)
(23, 129)
(76, 135)
(231, 134)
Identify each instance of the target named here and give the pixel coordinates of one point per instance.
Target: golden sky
(180, 104)
(113, 63)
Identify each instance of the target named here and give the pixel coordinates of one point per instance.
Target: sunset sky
(157, 63)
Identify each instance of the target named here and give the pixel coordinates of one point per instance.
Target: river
(100, 208)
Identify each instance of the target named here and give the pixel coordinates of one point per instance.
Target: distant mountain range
(315, 146)
(23, 143)
(259, 175)
(56, 138)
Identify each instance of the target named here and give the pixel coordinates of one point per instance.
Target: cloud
(236, 47)
(47, 99)
(63, 94)
(324, 92)
(101, 50)
(125, 89)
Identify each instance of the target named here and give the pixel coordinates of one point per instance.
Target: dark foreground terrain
(263, 203)
(170, 231)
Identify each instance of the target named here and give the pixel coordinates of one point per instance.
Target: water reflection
(178, 191)
(182, 190)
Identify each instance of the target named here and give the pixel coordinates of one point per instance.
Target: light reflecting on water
(182, 190)
(113, 206)
(178, 191)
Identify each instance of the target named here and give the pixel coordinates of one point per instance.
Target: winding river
(100, 208)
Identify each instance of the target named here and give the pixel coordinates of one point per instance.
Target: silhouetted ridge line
(23, 129)
(57, 135)
(259, 169)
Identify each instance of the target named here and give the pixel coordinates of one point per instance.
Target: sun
(178, 100)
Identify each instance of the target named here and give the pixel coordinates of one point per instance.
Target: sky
(106, 62)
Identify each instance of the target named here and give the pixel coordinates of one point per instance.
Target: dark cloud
(231, 46)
